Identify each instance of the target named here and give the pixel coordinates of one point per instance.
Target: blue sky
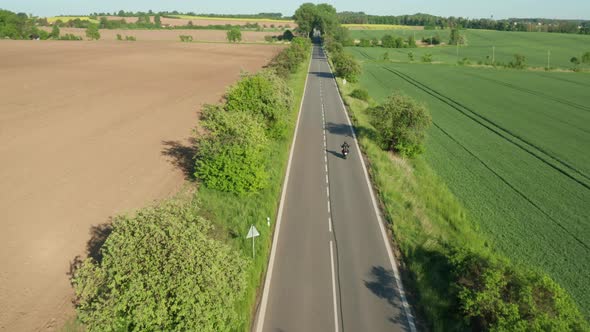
(573, 9)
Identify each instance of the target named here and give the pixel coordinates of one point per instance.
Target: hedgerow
(161, 270)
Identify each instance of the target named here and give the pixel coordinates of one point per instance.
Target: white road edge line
(273, 250)
(392, 261)
(334, 287)
(330, 224)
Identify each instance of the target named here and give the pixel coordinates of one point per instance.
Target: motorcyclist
(345, 148)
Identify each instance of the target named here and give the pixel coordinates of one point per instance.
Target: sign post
(252, 233)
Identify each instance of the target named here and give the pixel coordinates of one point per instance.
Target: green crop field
(514, 147)
(480, 44)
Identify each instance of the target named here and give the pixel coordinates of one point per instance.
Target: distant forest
(438, 22)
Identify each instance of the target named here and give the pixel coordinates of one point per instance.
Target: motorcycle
(344, 152)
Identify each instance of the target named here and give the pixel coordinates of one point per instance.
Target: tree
(264, 95)
(157, 21)
(161, 270)
(55, 32)
(456, 37)
(322, 17)
(346, 66)
(399, 42)
(374, 41)
(92, 32)
(232, 157)
(586, 58)
(234, 35)
(411, 56)
(388, 41)
(401, 124)
(288, 35)
(575, 61)
(386, 56)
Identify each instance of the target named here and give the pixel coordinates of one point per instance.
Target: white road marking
(275, 240)
(398, 280)
(334, 287)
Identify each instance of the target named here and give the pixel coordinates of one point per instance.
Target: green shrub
(346, 66)
(288, 35)
(119, 37)
(586, 57)
(232, 158)
(185, 38)
(234, 35)
(427, 58)
(70, 36)
(388, 41)
(161, 270)
(401, 124)
(519, 62)
(55, 32)
(492, 295)
(385, 56)
(289, 59)
(360, 94)
(130, 38)
(411, 56)
(265, 96)
(412, 42)
(92, 32)
(364, 42)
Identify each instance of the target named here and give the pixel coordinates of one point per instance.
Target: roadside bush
(385, 56)
(495, 296)
(346, 66)
(185, 38)
(360, 94)
(427, 58)
(411, 56)
(161, 270)
(399, 42)
(130, 38)
(289, 59)
(92, 32)
(401, 124)
(265, 96)
(119, 37)
(234, 35)
(586, 58)
(232, 157)
(374, 41)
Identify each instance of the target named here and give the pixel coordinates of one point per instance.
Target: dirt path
(84, 131)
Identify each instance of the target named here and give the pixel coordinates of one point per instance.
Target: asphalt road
(330, 268)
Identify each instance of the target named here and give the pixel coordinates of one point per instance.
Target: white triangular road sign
(253, 232)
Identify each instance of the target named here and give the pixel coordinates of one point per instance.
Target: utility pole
(493, 55)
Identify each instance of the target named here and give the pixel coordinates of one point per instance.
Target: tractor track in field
(536, 93)
(511, 186)
(498, 130)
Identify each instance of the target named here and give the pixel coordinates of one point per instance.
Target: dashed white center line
(334, 287)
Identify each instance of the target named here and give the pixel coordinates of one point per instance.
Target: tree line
(439, 22)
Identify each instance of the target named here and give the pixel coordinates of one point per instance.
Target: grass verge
(237, 213)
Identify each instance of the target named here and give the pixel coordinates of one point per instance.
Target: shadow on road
(382, 284)
(181, 156)
(337, 154)
(340, 129)
(322, 74)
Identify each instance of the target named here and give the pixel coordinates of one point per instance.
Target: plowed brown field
(170, 35)
(87, 131)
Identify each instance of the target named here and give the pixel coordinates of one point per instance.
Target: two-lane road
(331, 268)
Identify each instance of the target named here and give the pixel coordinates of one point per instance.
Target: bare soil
(88, 131)
(170, 35)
